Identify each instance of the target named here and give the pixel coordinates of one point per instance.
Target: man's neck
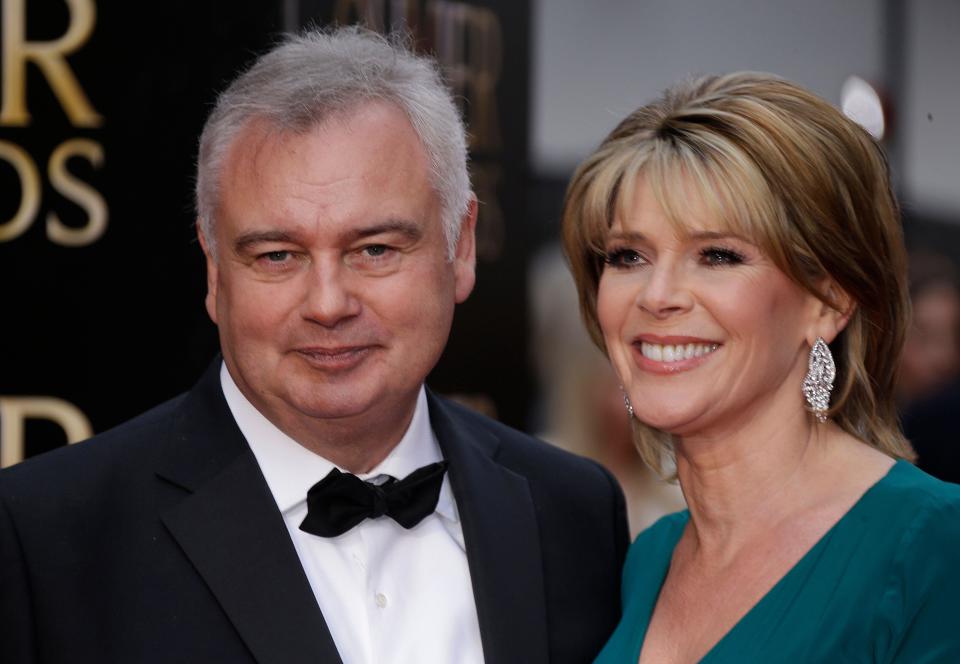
(357, 444)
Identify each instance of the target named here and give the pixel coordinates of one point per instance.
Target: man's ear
(831, 318)
(465, 257)
(212, 273)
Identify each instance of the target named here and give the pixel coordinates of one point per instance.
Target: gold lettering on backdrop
(15, 410)
(468, 42)
(64, 182)
(30, 194)
(379, 15)
(50, 57)
(77, 191)
(368, 13)
(490, 227)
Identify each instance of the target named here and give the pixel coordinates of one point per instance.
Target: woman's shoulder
(916, 513)
(924, 582)
(929, 511)
(935, 504)
(922, 495)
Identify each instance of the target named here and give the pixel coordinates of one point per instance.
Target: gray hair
(318, 73)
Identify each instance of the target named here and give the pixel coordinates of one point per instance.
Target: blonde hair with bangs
(783, 168)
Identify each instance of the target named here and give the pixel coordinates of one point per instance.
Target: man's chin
(334, 411)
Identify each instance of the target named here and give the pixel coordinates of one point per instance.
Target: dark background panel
(119, 325)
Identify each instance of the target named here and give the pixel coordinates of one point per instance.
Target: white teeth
(675, 353)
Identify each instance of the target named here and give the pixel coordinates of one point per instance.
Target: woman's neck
(743, 477)
(742, 484)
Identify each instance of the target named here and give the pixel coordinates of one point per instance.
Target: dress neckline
(676, 529)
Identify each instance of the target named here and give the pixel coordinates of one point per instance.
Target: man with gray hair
(309, 500)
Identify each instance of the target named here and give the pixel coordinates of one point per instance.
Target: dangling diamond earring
(818, 382)
(626, 402)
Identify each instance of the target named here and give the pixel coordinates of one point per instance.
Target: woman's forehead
(689, 209)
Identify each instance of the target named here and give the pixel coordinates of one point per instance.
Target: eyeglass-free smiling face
(705, 332)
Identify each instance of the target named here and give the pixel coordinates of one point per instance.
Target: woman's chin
(675, 422)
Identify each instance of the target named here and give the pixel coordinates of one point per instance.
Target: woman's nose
(665, 291)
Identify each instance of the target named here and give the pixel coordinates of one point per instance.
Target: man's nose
(330, 296)
(665, 291)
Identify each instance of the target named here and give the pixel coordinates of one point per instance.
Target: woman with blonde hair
(739, 258)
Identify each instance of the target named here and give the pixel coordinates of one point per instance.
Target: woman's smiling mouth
(676, 352)
(665, 355)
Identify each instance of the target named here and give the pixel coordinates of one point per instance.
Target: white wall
(593, 62)
(930, 114)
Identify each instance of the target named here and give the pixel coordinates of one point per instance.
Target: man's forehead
(364, 142)
(408, 229)
(349, 177)
(351, 120)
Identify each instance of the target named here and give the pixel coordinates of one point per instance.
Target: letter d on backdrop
(13, 412)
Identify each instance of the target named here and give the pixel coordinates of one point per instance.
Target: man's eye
(276, 256)
(281, 260)
(717, 256)
(623, 258)
(376, 250)
(378, 253)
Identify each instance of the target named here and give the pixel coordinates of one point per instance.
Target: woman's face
(703, 330)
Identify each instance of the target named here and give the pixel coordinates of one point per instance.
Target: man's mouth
(335, 357)
(324, 353)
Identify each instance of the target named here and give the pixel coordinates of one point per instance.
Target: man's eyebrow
(404, 227)
(408, 229)
(245, 240)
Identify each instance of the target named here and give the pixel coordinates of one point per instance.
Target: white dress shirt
(388, 595)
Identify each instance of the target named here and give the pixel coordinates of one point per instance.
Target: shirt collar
(290, 469)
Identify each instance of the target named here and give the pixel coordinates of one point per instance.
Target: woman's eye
(623, 258)
(717, 256)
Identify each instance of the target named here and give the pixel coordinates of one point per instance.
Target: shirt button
(381, 600)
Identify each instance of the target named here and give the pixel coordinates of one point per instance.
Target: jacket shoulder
(524, 452)
(89, 461)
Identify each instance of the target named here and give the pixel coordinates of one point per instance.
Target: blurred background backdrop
(101, 314)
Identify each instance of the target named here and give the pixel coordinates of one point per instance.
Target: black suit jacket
(159, 541)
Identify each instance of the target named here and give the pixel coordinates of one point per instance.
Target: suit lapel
(501, 534)
(231, 530)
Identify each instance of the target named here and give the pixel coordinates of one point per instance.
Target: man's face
(331, 285)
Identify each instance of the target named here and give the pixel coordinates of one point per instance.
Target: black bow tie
(340, 501)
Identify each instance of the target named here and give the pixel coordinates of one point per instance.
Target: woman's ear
(832, 315)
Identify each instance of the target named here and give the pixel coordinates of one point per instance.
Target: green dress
(882, 585)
